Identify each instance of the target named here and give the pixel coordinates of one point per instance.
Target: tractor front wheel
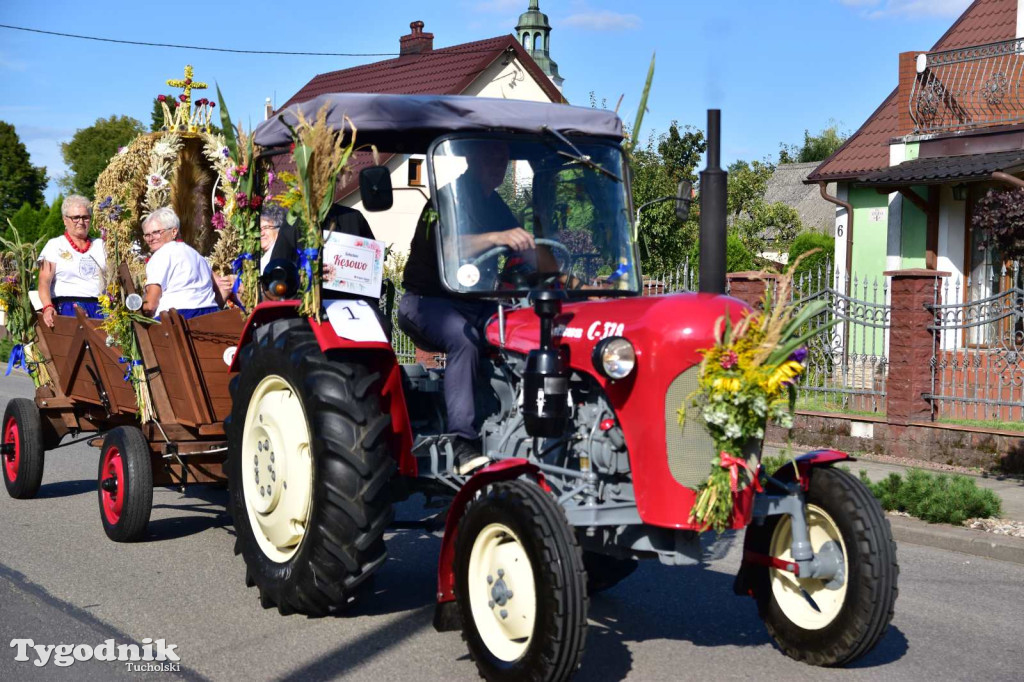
(520, 585)
(309, 465)
(23, 451)
(125, 484)
(829, 622)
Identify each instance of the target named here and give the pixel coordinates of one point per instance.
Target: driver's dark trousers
(456, 327)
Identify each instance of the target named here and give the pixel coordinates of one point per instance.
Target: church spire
(534, 34)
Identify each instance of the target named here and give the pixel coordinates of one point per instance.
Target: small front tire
(520, 585)
(125, 484)
(23, 455)
(829, 622)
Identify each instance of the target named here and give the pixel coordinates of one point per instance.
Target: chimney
(417, 41)
(268, 110)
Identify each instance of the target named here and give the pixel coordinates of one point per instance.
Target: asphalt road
(62, 581)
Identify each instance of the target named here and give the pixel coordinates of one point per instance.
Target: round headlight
(614, 357)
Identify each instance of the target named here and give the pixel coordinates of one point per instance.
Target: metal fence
(847, 361)
(405, 350)
(682, 278)
(978, 349)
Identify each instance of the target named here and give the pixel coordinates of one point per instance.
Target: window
(415, 172)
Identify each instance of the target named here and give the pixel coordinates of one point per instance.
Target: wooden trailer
(186, 365)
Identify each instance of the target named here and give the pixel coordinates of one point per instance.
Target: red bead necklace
(76, 247)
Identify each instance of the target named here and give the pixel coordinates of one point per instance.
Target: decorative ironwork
(405, 349)
(682, 278)
(847, 362)
(978, 351)
(969, 88)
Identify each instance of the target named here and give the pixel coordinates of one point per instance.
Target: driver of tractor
(439, 320)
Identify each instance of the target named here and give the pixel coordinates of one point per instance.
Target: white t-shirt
(185, 278)
(78, 275)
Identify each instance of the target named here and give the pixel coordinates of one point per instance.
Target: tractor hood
(667, 332)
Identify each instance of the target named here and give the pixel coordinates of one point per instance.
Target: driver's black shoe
(468, 457)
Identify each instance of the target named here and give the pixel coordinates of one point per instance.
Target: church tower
(534, 34)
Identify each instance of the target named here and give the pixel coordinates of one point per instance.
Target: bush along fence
(940, 370)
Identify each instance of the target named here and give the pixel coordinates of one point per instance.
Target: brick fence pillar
(910, 345)
(750, 286)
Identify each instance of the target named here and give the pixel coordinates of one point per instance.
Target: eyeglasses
(155, 233)
(78, 218)
(268, 228)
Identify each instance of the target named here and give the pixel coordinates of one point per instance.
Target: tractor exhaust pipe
(713, 183)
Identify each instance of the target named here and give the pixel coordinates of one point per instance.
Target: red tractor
(581, 386)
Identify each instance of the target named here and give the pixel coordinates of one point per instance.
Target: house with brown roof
(953, 128)
(509, 67)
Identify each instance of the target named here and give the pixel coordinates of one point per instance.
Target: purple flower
(226, 152)
(729, 360)
(799, 355)
(217, 221)
(241, 200)
(105, 204)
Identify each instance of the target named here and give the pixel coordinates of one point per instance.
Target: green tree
(53, 224)
(738, 257)
(91, 149)
(815, 147)
(759, 225)
(27, 219)
(20, 181)
(657, 168)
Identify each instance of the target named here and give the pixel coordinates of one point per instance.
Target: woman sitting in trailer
(176, 275)
(71, 266)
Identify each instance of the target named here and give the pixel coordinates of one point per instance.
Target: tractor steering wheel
(540, 241)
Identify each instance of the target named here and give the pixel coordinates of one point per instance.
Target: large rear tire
(309, 465)
(125, 484)
(23, 455)
(829, 622)
(520, 585)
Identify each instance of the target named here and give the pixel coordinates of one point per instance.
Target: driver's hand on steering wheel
(517, 238)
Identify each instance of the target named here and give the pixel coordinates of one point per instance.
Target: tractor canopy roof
(409, 123)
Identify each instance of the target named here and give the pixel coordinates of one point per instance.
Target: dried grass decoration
(746, 378)
(321, 159)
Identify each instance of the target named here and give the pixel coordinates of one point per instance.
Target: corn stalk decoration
(321, 159)
(18, 264)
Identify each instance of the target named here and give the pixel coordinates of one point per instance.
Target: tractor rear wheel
(309, 466)
(829, 622)
(23, 450)
(125, 484)
(520, 585)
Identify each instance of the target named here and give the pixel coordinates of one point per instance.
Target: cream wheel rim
(277, 468)
(810, 603)
(502, 592)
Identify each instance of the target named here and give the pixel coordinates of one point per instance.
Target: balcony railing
(968, 88)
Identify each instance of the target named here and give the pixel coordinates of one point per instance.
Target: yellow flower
(728, 384)
(784, 372)
(104, 301)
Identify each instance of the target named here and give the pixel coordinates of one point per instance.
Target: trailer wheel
(520, 585)
(125, 484)
(23, 451)
(605, 572)
(309, 465)
(829, 622)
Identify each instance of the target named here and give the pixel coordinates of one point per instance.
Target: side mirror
(375, 188)
(684, 199)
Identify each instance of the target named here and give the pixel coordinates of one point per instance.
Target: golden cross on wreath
(188, 84)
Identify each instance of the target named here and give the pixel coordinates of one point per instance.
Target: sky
(774, 68)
